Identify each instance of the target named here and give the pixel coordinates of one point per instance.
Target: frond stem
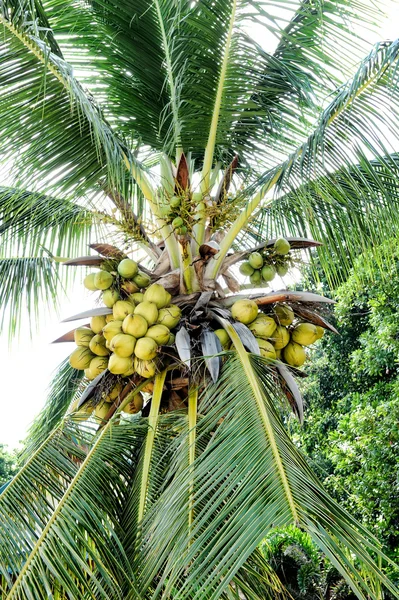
(192, 424)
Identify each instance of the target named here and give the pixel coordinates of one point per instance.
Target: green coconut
(123, 344)
(142, 280)
(294, 354)
(128, 268)
(171, 339)
(135, 325)
(98, 364)
(320, 331)
(157, 294)
(121, 309)
(282, 246)
(263, 327)
(88, 282)
(82, 336)
(280, 337)
(175, 202)
(135, 405)
(177, 222)
(148, 310)
(244, 311)
(159, 333)
(169, 316)
(145, 368)
(246, 269)
(304, 334)
(119, 365)
(97, 324)
(102, 410)
(224, 338)
(97, 345)
(181, 230)
(110, 297)
(146, 348)
(256, 278)
(112, 329)
(103, 280)
(284, 315)
(266, 348)
(137, 297)
(80, 358)
(255, 259)
(268, 273)
(282, 270)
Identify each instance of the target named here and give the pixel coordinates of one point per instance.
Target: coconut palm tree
(162, 131)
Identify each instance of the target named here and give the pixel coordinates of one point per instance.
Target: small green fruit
(82, 336)
(175, 202)
(110, 297)
(103, 280)
(171, 339)
(146, 348)
(181, 230)
(284, 314)
(159, 333)
(123, 344)
(128, 268)
(88, 282)
(148, 310)
(246, 269)
(282, 246)
(294, 354)
(121, 309)
(282, 270)
(305, 334)
(97, 345)
(268, 273)
(142, 280)
(244, 311)
(255, 259)
(280, 337)
(135, 325)
(80, 358)
(256, 278)
(177, 222)
(169, 316)
(97, 324)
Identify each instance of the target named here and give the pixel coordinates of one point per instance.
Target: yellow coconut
(320, 331)
(266, 348)
(148, 310)
(263, 326)
(284, 315)
(121, 309)
(128, 268)
(244, 311)
(304, 334)
(146, 348)
(123, 344)
(114, 393)
(102, 410)
(145, 368)
(135, 405)
(81, 414)
(112, 329)
(80, 358)
(110, 297)
(97, 365)
(157, 294)
(135, 325)
(103, 280)
(109, 318)
(280, 337)
(159, 333)
(142, 280)
(294, 354)
(82, 336)
(149, 387)
(224, 338)
(137, 297)
(97, 324)
(130, 287)
(119, 365)
(279, 354)
(171, 339)
(97, 345)
(88, 282)
(169, 316)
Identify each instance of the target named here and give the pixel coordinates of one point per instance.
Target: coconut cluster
(280, 335)
(262, 267)
(128, 340)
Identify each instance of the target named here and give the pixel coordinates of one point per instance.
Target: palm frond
(70, 531)
(249, 478)
(61, 392)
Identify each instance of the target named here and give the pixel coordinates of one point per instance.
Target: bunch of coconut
(115, 284)
(280, 336)
(262, 267)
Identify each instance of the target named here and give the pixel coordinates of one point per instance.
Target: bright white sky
(27, 367)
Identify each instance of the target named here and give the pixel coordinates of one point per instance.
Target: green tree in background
(7, 465)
